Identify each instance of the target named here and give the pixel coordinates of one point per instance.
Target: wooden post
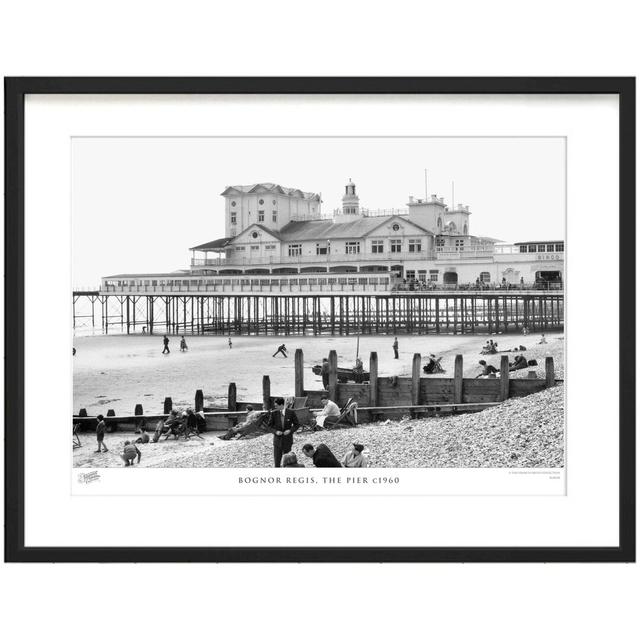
(138, 410)
(504, 377)
(266, 393)
(199, 400)
(168, 405)
(457, 380)
(415, 379)
(82, 413)
(333, 374)
(232, 403)
(373, 379)
(299, 373)
(549, 371)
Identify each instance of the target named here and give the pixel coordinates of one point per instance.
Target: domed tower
(350, 204)
(350, 200)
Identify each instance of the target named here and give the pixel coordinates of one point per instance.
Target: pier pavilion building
(278, 239)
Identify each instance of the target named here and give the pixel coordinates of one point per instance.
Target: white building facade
(277, 238)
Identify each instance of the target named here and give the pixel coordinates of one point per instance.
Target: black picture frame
(15, 91)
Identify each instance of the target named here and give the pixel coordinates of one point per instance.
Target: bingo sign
(549, 256)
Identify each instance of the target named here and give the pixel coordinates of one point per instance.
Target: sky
(138, 204)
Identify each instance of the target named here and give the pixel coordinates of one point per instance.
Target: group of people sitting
(489, 348)
(181, 425)
(322, 456)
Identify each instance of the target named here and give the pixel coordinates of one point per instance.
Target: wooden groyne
(446, 312)
(383, 396)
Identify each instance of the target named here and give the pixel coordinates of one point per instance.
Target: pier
(445, 311)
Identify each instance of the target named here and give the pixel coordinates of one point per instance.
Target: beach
(118, 372)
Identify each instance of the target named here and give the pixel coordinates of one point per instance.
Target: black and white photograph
(259, 302)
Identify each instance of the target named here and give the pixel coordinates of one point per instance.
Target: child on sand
(100, 431)
(183, 344)
(129, 454)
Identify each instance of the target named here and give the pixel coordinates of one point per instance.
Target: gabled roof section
(274, 234)
(218, 244)
(328, 230)
(269, 187)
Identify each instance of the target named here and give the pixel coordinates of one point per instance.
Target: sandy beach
(118, 372)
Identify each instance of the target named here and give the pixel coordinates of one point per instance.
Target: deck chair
(76, 436)
(348, 416)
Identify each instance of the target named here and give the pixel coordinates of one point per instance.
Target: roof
(167, 274)
(271, 187)
(327, 229)
(540, 242)
(214, 244)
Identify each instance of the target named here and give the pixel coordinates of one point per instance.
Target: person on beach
(172, 424)
(354, 458)
(230, 343)
(144, 437)
(283, 423)
(543, 340)
(101, 429)
(433, 366)
(253, 423)
(165, 341)
(519, 362)
(74, 351)
(487, 369)
(281, 349)
(291, 460)
(329, 414)
(395, 348)
(183, 344)
(129, 454)
(358, 372)
(321, 455)
(324, 371)
(192, 425)
(201, 421)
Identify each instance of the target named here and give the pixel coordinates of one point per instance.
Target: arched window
(439, 224)
(465, 230)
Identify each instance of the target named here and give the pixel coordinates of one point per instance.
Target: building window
(415, 246)
(549, 247)
(396, 246)
(233, 217)
(255, 247)
(523, 248)
(240, 248)
(321, 249)
(485, 276)
(560, 247)
(233, 203)
(540, 247)
(433, 275)
(352, 247)
(295, 250)
(260, 201)
(411, 274)
(274, 216)
(439, 244)
(439, 224)
(422, 276)
(260, 216)
(377, 246)
(532, 248)
(396, 227)
(459, 245)
(270, 247)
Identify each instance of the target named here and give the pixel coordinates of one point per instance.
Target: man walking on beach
(281, 349)
(283, 423)
(165, 340)
(100, 431)
(395, 347)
